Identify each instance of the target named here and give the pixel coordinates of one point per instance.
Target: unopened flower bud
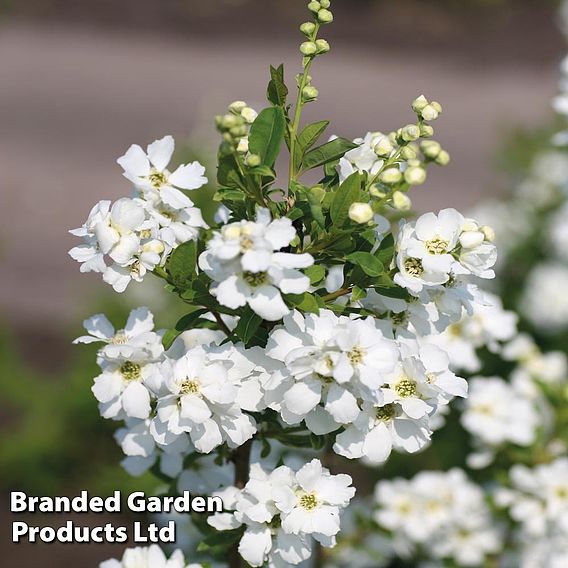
(243, 146)
(426, 131)
(419, 103)
(377, 192)
(314, 7)
(443, 158)
(230, 121)
(431, 149)
(237, 107)
(429, 113)
(471, 239)
(238, 131)
(410, 133)
(408, 153)
(401, 201)
(413, 163)
(249, 114)
(325, 16)
(469, 225)
(415, 175)
(325, 3)
(360, 212)
(488, 232)
(322, 45)
(437, 106)
(253, 160)
(383, 148)
(308, 48)
(391, 176)
(308, 28)
(310, 93)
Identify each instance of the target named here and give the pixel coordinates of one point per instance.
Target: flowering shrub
(316, 318)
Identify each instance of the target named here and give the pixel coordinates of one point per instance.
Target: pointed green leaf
(311, 133)
(369, 264)
(347, 193)
(277, 89)
(267, 133)
(328, 152)
(181, 264)
(247, 326)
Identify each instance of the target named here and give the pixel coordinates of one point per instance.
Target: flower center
(145, 234)
(247, 242)
(119, 339)
(385, 412)
(131, 371)
(562, 492)
(405, 387)
(255, 279)
(309, 501)
(135, 267)
(157, 179)
(356, 355)
(190, 386)
(413, 266)
(437, 246)
(400, 318)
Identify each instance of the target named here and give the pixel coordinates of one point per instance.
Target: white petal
(303, 397)
(136, 401)
(293, 282)
(378, 444)
(232, 293)
(194, 408)
(99, 326)
(160, 152)
(189, 176)
(320, 422)
(289, 260)
(106, 387)
(135, 163)
(280, 233)
(342, 405)
(255, 545)
(267, 302)
(175, 198)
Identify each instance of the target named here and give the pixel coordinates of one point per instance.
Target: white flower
(149, 557)
(283, 510)
(331, 362)
(136, 342)
(497, 413)
(199, 397)
(488, 325)
(379, 429)
(363, 158)
(544, 300)
(436, 248)
(148, 172)
(441, 513)
(142, 451)
(177, 226)
(243, 261)
(89, 254)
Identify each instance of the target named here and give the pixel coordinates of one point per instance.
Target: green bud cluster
(425, 109)
(235, 125)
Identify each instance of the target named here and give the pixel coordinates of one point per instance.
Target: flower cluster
(342, 372)
(131, 237)
(149, 557)
(443, 514)
(538, 501)
(282, 511)
(246, 265)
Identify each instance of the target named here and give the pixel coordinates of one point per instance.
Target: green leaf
(277, 89)
(169, 337)
(181, 264)
(224, 539)
(316, 273)
(316, 209)
(186, 322)
(394, 292)
(328, 152)
(263, 171)
(247, 326)
(311, 133)
(358, 294)
(267, 133)
(228, 172)
(305, 302)
(346, 194)
(370, 264)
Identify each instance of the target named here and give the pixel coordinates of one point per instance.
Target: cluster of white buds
(235, 125)
(425, 109)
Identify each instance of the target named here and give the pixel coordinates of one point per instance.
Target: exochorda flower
(149, 174)
(283, 510)
(244, 261)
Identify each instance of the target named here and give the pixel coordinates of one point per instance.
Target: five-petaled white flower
(149, 174)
